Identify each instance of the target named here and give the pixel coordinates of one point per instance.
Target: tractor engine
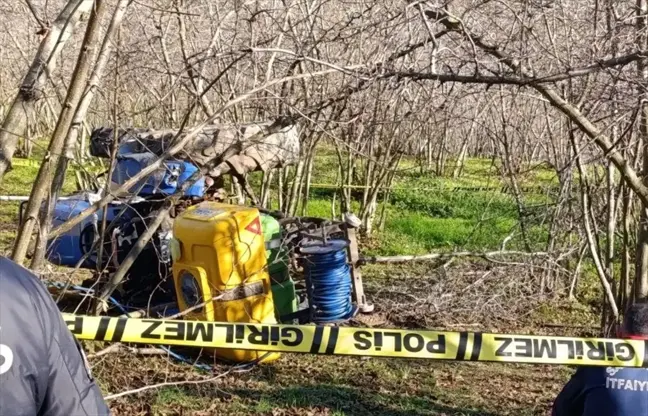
(127, 218)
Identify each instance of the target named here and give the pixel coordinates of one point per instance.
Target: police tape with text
(368, 342)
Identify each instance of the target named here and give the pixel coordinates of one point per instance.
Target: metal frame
(356, 274)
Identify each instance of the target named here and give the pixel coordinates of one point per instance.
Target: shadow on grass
(348, 401)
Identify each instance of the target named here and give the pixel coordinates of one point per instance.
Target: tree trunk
(334, 199)
(240, 197)
(577, 270)
(307, 184)
(31, 89)
(173, 112)
(293, 193)
(368, 212)
(611, 221)
(641, 269)
(349, 182)
(74, 132)
(346, 177)
(44, 226)
(459, 165)
(461, 159)
(441, 154)
(44, 179)
(369, 170)
(280, 188)
(625, 289)
(429, 153)
(608, 291)
(266, 187)
(370, 215)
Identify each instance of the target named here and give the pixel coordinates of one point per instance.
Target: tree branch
(445, 256)
(32, 9)
(178, 144)
(586, 126)
(520, 80)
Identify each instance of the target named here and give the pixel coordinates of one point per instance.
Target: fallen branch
(142, 313)
(237, 368)
(121, 347)
(590, 327)
(166, 384)
(198, 306)
(437, 256)
(16, 198)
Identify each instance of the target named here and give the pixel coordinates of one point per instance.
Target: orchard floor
(475, 296)
(471, 297)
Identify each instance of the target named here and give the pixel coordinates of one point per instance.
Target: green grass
(344, 386)
(418, 219)
(20, 179)
(168, 399)
(461, 204)
(431, 233)
(426, 213)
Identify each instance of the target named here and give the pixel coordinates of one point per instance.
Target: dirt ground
(485, 297)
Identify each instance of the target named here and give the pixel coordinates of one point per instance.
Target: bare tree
(31, 90)
(75, 91)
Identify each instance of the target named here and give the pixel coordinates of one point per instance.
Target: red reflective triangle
(254, 226)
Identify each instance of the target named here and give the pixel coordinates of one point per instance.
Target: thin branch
(519, 80)
(114, 348)
(165, 384)
(437, 256)
(179, 144)
(350, 70)
(34, 13)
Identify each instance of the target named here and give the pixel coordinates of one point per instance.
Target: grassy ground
(429, 213)
(407, 297)
(471, 296)
(417, 220)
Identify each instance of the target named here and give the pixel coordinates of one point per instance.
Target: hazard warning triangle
(254, 226)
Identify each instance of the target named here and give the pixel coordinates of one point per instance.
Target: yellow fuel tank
(220, 261)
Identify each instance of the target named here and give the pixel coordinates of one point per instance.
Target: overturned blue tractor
(325, 251)
(129, 216)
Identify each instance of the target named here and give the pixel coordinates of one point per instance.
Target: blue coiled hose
(329, 281)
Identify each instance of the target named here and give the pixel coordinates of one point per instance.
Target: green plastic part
(283, 288)
(277, 255)
(285, 299)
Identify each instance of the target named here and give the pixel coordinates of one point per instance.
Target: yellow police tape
(367, 342)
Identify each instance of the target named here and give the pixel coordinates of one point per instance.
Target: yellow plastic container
(220, 260)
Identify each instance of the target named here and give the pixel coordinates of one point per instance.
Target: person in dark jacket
(43, 370)
(609, 391)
